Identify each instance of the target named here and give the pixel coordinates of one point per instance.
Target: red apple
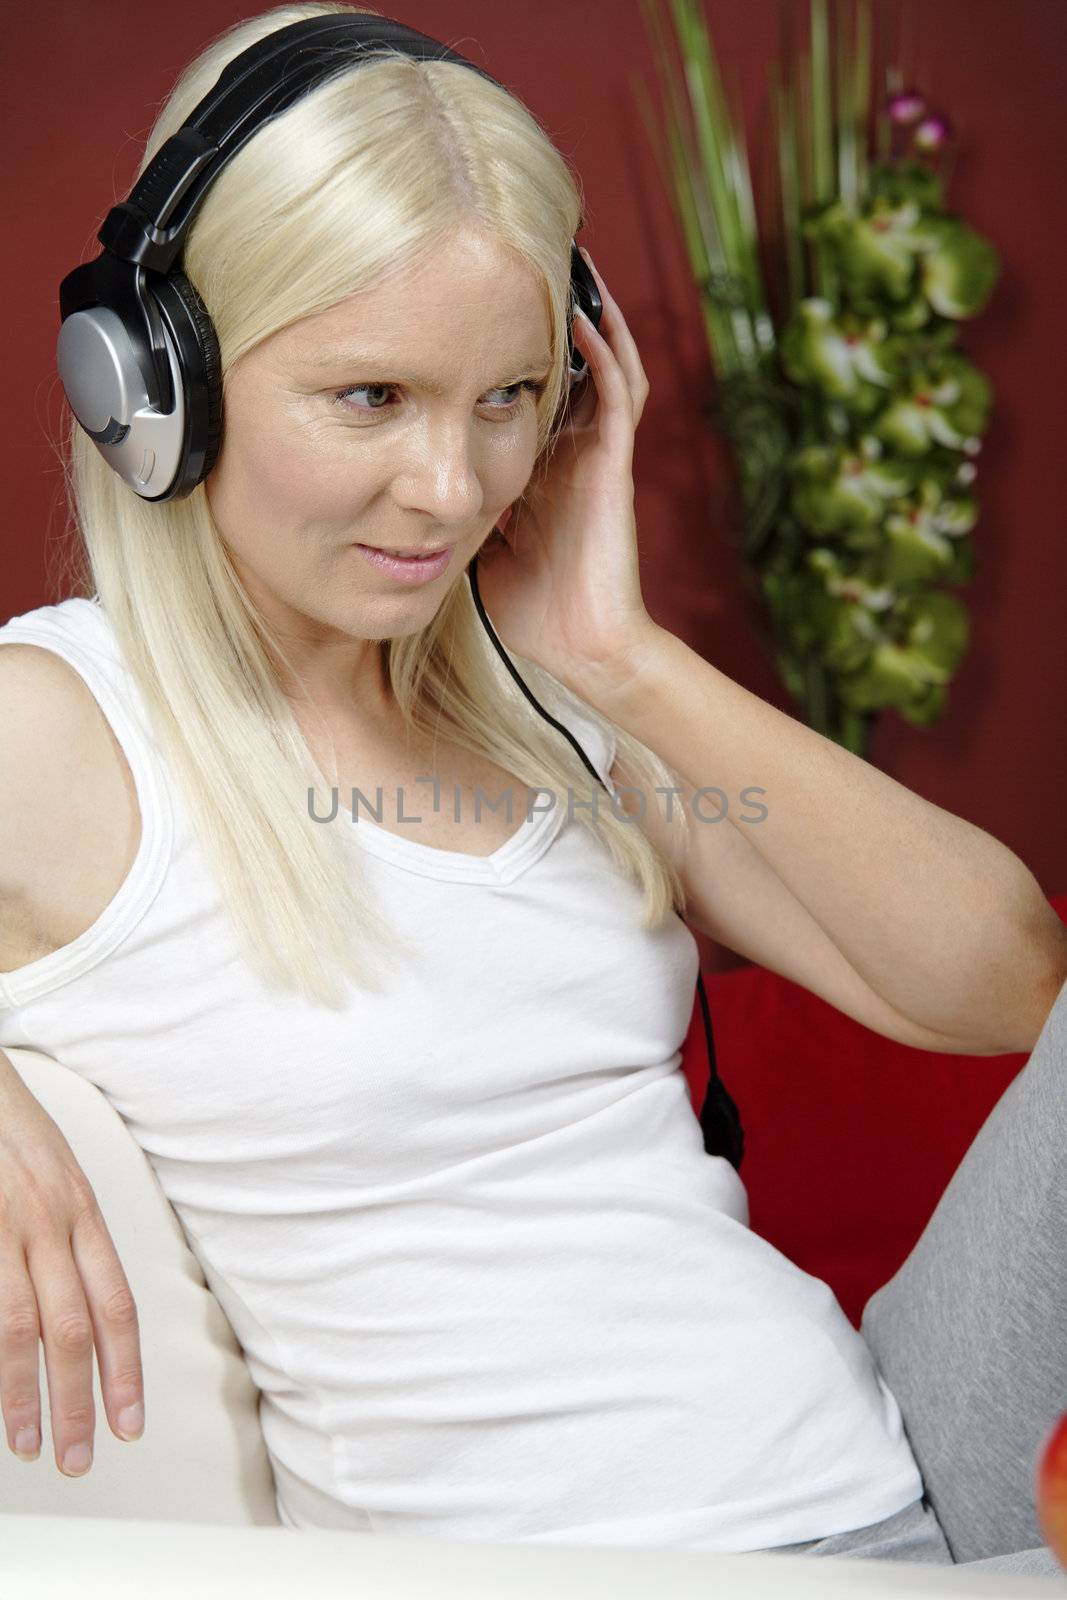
(1050, 1489)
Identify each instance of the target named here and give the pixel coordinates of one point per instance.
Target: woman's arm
(738, 900)
(61, 1282)
(938, 919)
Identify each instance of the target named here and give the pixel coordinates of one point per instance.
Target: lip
(416, 550)
(409, 568)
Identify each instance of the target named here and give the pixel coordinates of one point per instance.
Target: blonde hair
(371, 170)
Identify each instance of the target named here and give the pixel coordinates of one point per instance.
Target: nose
(440, 475)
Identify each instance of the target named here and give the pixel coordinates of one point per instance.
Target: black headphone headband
(259, 84)
(137, 353)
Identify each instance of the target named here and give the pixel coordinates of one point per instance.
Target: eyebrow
(350, 360)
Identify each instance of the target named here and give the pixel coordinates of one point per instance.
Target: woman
(412, 1088)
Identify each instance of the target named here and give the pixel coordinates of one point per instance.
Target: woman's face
(434, 439)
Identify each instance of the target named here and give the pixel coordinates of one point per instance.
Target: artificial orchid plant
(854, 420)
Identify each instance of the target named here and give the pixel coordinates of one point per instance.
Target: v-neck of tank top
(525, 846)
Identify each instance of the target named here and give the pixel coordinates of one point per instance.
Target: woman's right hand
(61, 1282)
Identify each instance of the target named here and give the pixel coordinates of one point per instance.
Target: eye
(518, 391)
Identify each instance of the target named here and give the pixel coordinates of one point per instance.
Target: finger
(116, 1327)
(616, 417)
(616, 358)
(582, 402)
(20, 1361)
(613, 324)
(67, 1336)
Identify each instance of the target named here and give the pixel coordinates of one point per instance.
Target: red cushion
(850, 1138)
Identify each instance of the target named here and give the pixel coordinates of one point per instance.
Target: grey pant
(971, 1336)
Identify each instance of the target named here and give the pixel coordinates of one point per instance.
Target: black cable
(720, 1120)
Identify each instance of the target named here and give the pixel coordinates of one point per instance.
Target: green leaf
(960, 270)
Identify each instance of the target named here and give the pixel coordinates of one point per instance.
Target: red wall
(80, 84)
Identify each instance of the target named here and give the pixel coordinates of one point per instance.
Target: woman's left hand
(562, 586)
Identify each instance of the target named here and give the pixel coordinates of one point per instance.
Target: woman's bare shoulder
(69, 819)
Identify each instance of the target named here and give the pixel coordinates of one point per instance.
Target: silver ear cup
(107, 393)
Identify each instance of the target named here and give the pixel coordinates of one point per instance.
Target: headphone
(137, 353)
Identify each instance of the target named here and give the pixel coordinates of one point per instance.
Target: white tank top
(488, 1281)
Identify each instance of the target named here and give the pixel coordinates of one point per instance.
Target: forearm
(939, 918)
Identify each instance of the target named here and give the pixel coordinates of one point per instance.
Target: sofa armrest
(202, 1457)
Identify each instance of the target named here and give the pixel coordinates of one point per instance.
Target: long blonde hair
(373, 169)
